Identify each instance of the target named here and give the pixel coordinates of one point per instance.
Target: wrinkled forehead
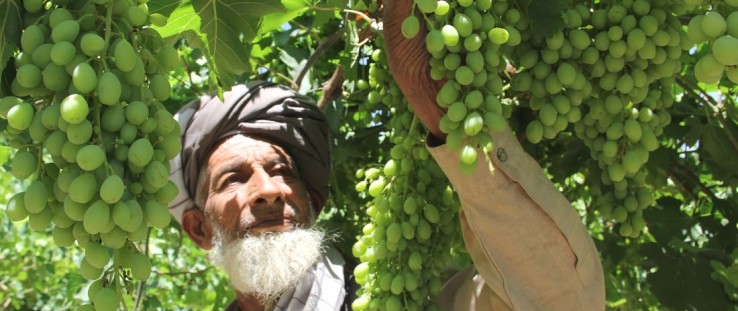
(248, 147)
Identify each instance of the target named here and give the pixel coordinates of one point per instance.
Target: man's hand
(409, 64)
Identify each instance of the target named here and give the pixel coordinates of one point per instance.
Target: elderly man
(253, 176)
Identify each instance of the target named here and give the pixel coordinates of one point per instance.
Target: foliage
(686, 257)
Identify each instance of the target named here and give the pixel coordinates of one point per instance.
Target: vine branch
(322, 48)
(714, 106)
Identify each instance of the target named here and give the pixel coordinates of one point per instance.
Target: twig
(322, 48)
(357, 13)
(332, 88)
(304, 28)
(294, 85)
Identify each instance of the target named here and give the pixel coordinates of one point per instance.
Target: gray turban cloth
(258, 108)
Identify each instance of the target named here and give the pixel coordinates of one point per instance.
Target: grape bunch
(721, 35)
(412, 215)
(92, 135)
(466, 40)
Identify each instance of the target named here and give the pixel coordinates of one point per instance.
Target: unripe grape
(713, 24)
(410, 27)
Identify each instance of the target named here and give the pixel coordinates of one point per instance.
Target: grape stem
(293, 85)
(142, 285)
(108, 22)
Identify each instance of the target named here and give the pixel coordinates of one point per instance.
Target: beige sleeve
(530, 248)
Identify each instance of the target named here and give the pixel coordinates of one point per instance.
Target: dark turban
(262, 109)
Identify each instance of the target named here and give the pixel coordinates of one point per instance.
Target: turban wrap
(261, 109)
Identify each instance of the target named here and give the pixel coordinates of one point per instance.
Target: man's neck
(251, 303)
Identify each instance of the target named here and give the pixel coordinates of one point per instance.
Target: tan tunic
(529, 247)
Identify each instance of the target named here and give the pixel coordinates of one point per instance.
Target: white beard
(266, 266)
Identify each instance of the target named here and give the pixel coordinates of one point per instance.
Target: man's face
(253, 187)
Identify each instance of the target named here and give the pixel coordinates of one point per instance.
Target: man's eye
(282, 171)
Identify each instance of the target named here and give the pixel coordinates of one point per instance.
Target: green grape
(84, 78)
(41, 56)
(24, 164)
(566, 74)
(29, 76)
(112, 189)
(463, 24)
(16, 208)
(96, 255)
(79, 134)
(410, 27)
(106, 300)
(498, 35)
(88, 271)
(713, 24)
(124, 55)
(457, 111)
(450, 35)
(96, 217)
(113, 118)
(473, 123)
(74, 109)
(115, 238)
(136, 16)
(732, 24)
(63, 237)
(434, 41)
(464, 75)
(534, 131)
(160, 87)
(32, 38)
(376, 187)
(90, 157)
(83, 188)
(35, 197)
(55, 78)
(39, 221)
(109, 88)
(168, 58)
(6, 103)
(141, 152)
(65, 31)
(92, 44)
(724, 50)
(62, 53)
(443, 7)
(157, 214)
(20, 116)
(427, 6)
(140, 266)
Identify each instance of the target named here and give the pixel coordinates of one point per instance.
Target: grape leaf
(219, 29)
(294, 8)
(545, 17)
(163, 7)
(10, 23)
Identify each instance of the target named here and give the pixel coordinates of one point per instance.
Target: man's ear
(198, 228)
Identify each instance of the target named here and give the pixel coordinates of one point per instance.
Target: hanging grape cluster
(465, 39)
(720, 32)
(608, 72)
(92, 136)
(407, 243)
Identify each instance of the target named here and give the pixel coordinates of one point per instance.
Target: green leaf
(721, 152)
(545, 17)
(10, 31)
(163, 7)
(352, 42)
(294, 8)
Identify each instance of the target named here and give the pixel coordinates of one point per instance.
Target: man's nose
(264, 191)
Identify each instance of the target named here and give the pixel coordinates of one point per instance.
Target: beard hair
(266, 266)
